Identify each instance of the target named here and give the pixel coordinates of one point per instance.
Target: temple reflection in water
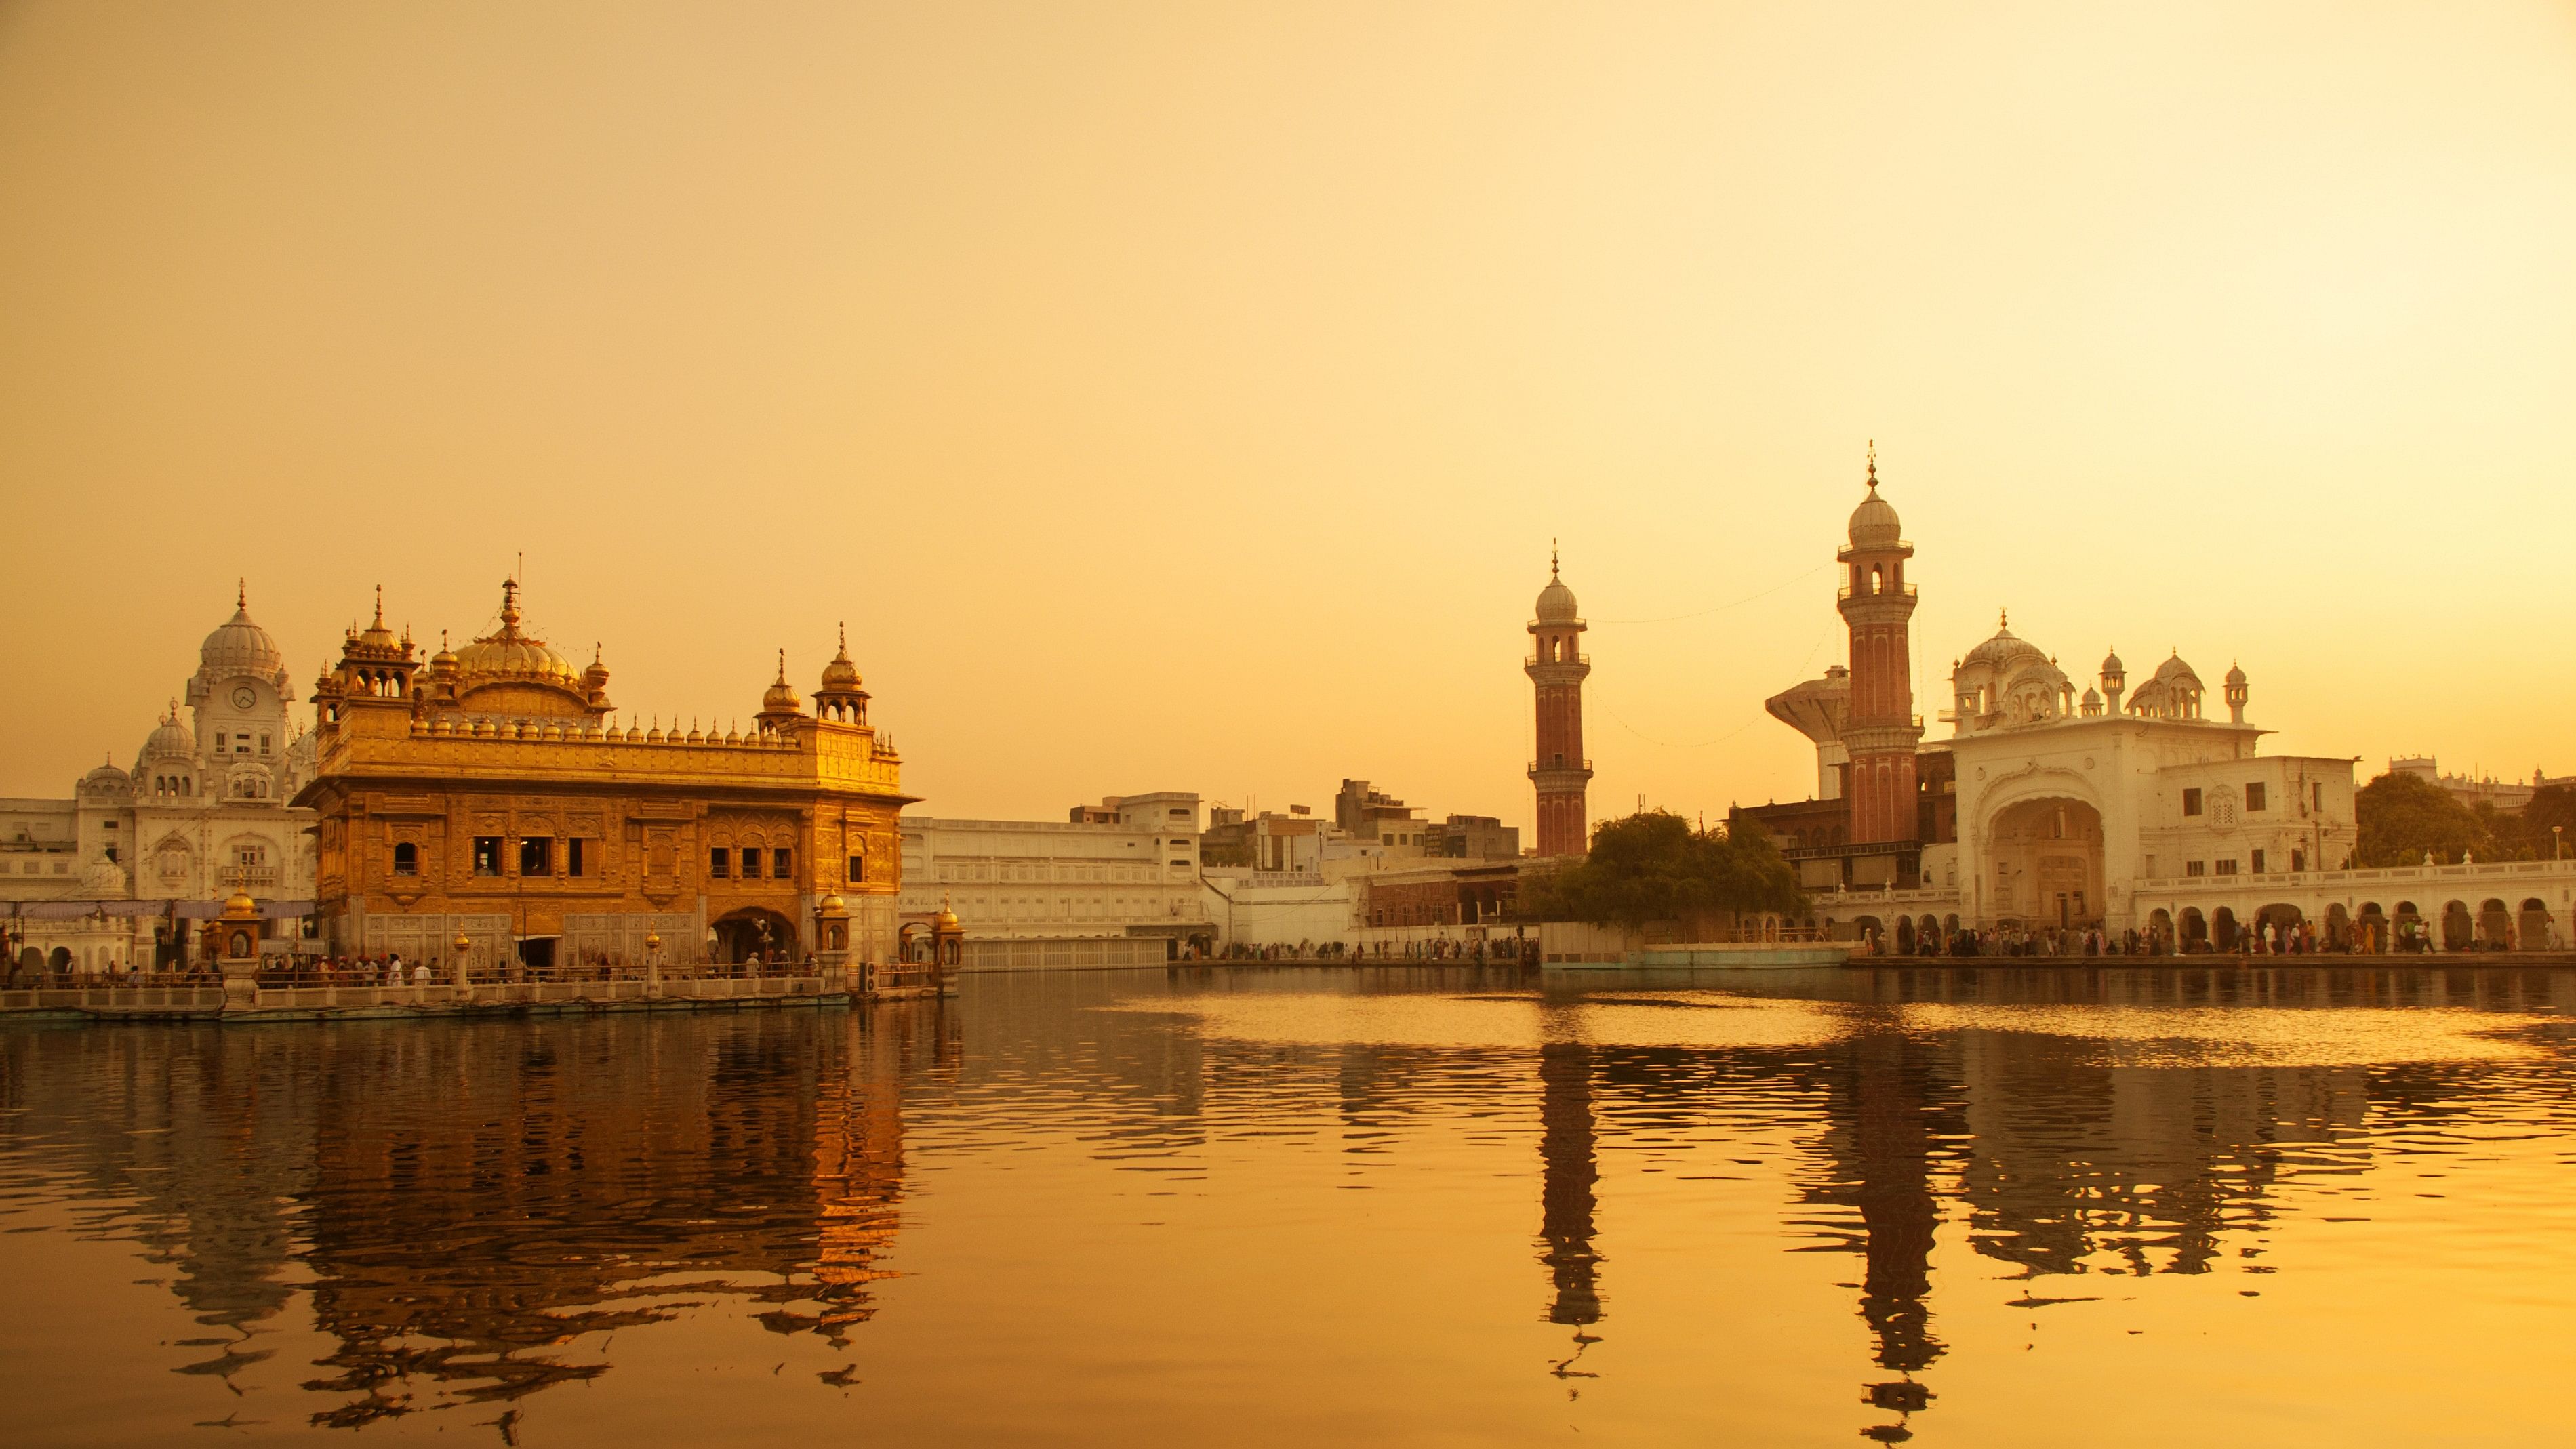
(468, 1207)
(602, 1168)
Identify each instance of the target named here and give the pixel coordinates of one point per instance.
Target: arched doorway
(2338, 926)
(2539, 932)
(2160, 926)
(2274, 924)
(753, 934)
(1905, 935)
(2044, 863)
(2495, 927)
(2457, 929)
(2222, 928)
(60, 960)
(2195, 930)
(2372, 928)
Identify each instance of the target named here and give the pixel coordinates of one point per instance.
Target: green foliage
(2403, 816)
(2525, 835)
(2550, 805)
(1653, 866)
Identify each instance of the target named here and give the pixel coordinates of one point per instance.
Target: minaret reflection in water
(1565, 1194)
(1891, 1113)
(1887, 1113)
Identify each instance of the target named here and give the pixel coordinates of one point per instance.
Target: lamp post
(652, 963)
(462, 943)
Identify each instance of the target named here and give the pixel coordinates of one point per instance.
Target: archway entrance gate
(2043, 864)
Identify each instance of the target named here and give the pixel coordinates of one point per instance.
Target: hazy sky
(1184, 396)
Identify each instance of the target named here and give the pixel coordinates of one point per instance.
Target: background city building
(2509, 796)
(1116, 884)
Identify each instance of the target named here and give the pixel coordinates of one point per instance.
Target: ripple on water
(1699, 1019)
(2239, 1036)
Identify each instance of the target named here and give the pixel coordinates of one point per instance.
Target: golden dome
(377, 636)
(240, 904)
(946, 920)
(509, 654)
(781, 697)
(841, 673)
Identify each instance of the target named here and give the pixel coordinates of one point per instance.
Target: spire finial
(845, 638)
(1551, 560)
(509, 604)
(380, 606)
(2003, 618)
(782, 666)
(1873, 465)
(241, 593)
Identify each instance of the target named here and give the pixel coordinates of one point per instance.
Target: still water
(1977, 1207)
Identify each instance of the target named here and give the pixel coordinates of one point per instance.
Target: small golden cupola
(841, 700)
(779, 707)
(439, 679)
(375, 668)
(594, 681)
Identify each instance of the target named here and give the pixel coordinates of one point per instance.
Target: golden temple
(487, 794)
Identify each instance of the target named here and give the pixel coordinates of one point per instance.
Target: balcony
(1532, 661)
(1534, 767)
(1845, 592)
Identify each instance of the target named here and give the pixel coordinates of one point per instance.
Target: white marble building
(104, 879)
(2054, 805)
(1116, 885)
(2066, 802)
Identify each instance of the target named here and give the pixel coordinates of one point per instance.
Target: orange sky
(1176, 396)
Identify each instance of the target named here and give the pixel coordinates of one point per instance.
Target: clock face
(244, 697)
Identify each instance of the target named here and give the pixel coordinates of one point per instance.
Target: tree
(2525, 835)
(1652, 866)
(2403, 816)
(2550, 805)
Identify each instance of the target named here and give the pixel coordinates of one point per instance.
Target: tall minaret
(1560, 772)
(1881, 729)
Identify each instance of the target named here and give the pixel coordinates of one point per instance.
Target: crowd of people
(391, 968)
(2274, 938)
(1465, 953)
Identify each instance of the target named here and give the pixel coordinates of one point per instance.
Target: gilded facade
(488, 793)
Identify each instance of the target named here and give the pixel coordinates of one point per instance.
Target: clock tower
(239, 696)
